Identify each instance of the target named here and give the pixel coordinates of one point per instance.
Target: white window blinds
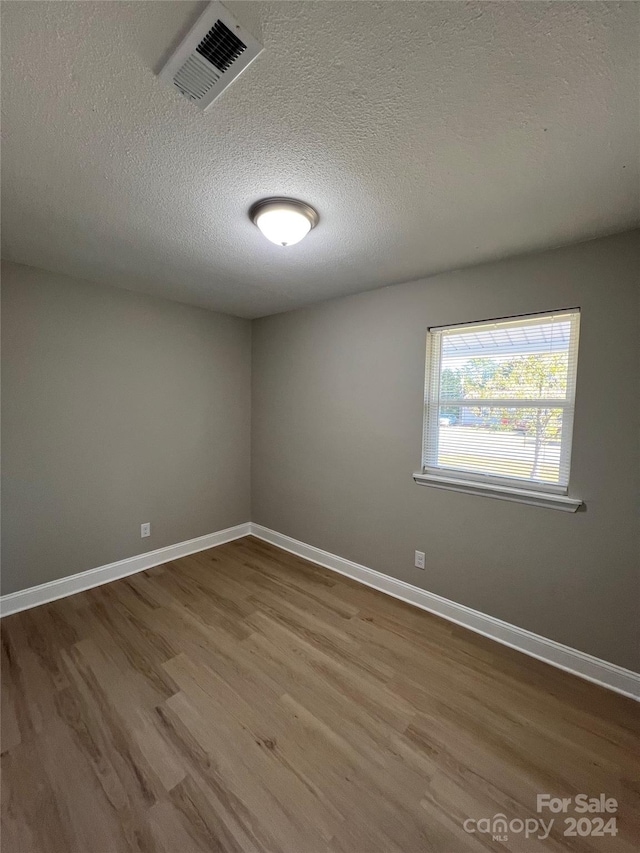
(499, 400)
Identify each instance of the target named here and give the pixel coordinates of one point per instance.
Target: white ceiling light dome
(284, 221)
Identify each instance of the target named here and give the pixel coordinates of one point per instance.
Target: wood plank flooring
(242, 700)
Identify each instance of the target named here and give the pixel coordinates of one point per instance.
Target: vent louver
(195, 78)
(210, 57)
(220, 46)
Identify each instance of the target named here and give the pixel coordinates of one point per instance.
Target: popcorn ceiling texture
(428, 135)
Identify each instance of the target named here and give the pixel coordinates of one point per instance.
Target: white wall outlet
(145, 529)
(419, 560)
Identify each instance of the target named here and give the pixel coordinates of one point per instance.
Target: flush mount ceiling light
(284, 221)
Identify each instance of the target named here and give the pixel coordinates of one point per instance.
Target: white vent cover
(215, 51)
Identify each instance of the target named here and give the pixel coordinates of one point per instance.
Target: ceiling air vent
(215, 51)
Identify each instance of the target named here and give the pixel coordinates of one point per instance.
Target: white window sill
(501, 493)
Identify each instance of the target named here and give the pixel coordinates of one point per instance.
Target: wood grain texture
(242, 700)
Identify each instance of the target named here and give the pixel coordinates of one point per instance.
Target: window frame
(475, 482)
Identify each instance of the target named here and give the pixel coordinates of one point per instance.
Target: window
(499, 403)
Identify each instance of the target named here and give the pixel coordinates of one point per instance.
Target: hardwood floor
(242, 699)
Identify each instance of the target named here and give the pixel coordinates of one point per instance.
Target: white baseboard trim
(46, 592)
(563, 657)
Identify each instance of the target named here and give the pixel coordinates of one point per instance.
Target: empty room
(320, 427)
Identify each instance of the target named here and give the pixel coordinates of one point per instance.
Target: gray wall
(337, 421)
(120, 408)
(117, 409)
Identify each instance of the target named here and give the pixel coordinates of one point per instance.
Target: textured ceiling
(429, 135)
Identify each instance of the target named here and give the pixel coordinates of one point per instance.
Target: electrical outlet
(419, 560)
(145, 529)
